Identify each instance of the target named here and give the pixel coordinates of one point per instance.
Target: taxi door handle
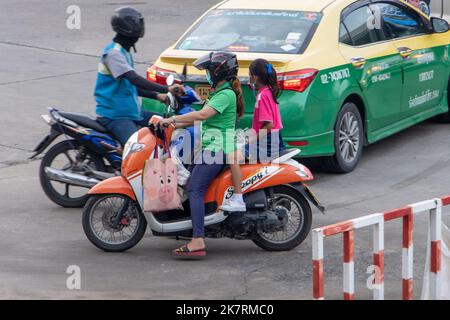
(405, 52)
(358, 63)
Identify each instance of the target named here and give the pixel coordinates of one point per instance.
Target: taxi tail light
(159, 75)
(297, 80)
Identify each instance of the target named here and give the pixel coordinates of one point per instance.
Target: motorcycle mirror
(170, 80)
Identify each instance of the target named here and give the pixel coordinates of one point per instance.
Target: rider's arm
(218, 104)
(118, 66)
(201, 115)
(183, 125)
(151, 95)
(144, 84)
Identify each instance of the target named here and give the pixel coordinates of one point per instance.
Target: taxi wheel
(348, 141)
(445, 118)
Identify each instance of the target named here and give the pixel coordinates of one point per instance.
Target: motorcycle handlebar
(156, 127)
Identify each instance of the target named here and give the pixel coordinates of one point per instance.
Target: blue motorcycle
(89, 153)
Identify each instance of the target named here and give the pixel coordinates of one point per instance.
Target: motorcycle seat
(284, 156)
(84, 120)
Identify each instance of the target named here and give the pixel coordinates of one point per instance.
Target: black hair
(266, 75)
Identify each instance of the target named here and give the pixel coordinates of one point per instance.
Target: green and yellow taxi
(351, 72)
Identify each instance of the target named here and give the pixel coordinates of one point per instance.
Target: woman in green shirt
(218, 118)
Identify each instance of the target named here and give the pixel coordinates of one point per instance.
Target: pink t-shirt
(266, 110)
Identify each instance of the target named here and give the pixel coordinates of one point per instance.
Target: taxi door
(374, 63)
(423, 69)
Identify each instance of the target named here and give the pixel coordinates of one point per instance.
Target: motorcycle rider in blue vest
(118, 86)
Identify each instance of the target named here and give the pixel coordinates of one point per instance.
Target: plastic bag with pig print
(160, 186)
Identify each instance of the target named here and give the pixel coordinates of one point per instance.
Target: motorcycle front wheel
(298, 223)
(113, 222)
(68, 156)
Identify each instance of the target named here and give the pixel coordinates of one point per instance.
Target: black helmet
(128, 22)
(220, 65)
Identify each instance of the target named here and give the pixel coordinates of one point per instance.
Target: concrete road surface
(42, 64)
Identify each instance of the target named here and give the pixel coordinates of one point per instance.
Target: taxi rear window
(264, 31)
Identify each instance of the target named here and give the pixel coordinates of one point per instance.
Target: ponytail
(273, 85)
(267, 76)
(237, 88)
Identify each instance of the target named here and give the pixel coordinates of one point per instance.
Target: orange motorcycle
(278, 213)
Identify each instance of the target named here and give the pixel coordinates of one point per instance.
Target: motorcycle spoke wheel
(102, 221)
(76, 161)
(295, 220)
(70, 156)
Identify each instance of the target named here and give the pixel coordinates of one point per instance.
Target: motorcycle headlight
(302, 171)
(304, 174)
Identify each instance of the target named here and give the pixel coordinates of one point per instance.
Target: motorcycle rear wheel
(51, 187)
(293, 201)
(98, 219)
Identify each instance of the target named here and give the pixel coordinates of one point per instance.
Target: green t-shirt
(218, 132)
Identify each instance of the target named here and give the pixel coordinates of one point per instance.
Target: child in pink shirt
(266, 111)
(266, 125)
(266, 116)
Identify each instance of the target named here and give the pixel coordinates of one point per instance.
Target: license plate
(203, 91)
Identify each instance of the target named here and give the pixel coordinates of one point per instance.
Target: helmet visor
(203, 62)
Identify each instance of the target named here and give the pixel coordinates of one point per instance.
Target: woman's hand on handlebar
(164, 123)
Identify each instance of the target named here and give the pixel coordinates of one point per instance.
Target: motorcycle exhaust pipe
(71, 178)
(100, 175)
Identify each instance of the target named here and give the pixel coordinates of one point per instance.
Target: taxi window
(361, 26)
(344, 36)
(265, 31)
(399, 23)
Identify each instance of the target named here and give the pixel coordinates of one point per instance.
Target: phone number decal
(334, 76)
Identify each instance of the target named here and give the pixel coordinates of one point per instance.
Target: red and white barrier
(377, 221)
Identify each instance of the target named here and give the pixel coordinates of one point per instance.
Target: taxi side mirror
(439, 25)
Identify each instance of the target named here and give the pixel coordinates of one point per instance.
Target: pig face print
(168, 182)
(160, 186)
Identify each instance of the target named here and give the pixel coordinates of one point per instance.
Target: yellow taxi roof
(300, 5)
(295, 5)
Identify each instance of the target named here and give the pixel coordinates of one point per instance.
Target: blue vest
(116, 98)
